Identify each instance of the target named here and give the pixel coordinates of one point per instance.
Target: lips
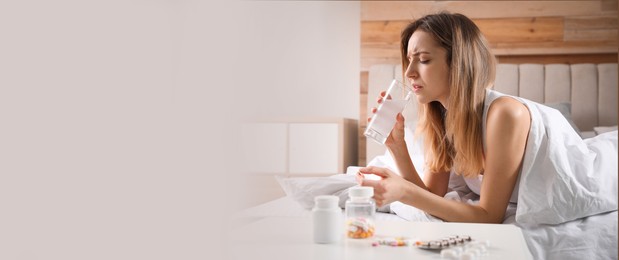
(417, 88)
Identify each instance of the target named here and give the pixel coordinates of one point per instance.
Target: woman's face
(427, 71)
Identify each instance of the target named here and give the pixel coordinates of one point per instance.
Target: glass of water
(397, 96)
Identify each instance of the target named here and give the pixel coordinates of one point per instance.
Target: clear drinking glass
(397, 96)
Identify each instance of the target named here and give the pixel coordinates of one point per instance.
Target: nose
(411, 71)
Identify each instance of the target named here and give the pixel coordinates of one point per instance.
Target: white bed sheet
(593, 237)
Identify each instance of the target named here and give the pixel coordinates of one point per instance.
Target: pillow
(566, 110)
(304, 189)
(604, 129)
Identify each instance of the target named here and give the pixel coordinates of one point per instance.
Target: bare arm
(435, 182)
(508, 125)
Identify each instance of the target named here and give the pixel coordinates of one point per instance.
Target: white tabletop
(291, 238)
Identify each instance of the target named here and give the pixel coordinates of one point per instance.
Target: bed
(592, 111)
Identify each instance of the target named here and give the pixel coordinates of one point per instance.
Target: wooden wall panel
(386, 32)
(609, 4)
(586, 35)
(535, 29)
(512, 27)
(410, 10)
(590, 22)
(519, 32)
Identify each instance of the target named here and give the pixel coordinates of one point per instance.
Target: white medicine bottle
(327, 219)
(360, 210)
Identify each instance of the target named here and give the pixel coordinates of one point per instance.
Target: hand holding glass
(384, 120)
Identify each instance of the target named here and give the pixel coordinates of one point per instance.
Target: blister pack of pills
(443, 243)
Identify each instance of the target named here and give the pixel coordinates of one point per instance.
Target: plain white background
(109, 147)
(117, 118)
(301, 58)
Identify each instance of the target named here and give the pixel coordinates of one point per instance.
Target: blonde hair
(453, 139)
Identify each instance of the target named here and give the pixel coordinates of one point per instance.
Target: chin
(422, 100)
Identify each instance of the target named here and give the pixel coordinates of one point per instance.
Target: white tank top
(474, 183)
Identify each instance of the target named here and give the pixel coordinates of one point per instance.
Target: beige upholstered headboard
(590, 88)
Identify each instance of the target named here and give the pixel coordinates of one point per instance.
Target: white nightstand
(291, 238)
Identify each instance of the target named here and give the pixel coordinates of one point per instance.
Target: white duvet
(564, 177)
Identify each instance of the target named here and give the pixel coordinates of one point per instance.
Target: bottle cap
(326, 201)
(363, 192)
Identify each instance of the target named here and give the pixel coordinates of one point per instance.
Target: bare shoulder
(508, 110)
(508, 118)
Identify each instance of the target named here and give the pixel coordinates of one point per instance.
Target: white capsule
(458, 250)
(481, 248)
(474, 251)
(448, 253)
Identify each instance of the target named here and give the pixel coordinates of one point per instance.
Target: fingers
(378, 197)
(359, 178)
(379, 200)
(369, 183)
(380, 98)
(373, 112)
(399, 123)
(382, 172)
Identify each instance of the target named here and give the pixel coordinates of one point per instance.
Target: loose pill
(467, 256)
(473, 251)
(448, 253)
(481, 248)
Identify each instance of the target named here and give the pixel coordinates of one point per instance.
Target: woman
(468, 128)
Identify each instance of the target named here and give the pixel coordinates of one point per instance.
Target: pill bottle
(360, 210)
(327, 219)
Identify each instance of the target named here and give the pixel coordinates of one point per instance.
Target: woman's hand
(390, 188)
(397, 134)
